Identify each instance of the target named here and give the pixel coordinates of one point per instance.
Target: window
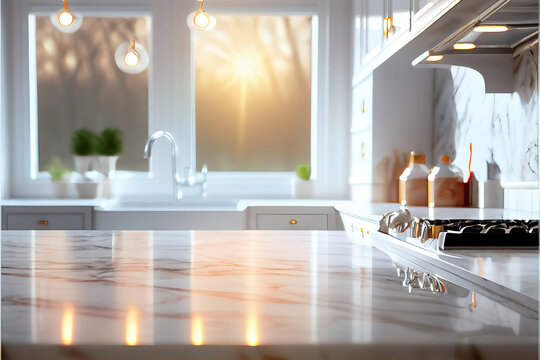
(253, 93)
(78, 85)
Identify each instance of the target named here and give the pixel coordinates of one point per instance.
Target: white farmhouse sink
(192, 204)
(186, 214)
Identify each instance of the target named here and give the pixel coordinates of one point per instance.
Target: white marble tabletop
(293, 294)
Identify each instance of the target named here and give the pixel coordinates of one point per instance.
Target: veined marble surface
(282, 291)
(502, 127)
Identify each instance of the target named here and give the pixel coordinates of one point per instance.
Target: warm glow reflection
(433, 58)
(252, 333)
(132, 327)
(196, 331)
(464, 46)
(473, 299)
(491, 28)
(67, 325)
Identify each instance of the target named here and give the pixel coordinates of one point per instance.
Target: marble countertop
(374, 211)
(283, 292)
(368, 210)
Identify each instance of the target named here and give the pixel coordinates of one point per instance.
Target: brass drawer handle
(293, 222)
(43, 222)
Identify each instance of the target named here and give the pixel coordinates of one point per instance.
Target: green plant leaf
(83, 143)
(110, 142)
(303, 171)
(57, 170)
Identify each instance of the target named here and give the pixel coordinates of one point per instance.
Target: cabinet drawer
(46, 218)
(291, 222)
(45, 222)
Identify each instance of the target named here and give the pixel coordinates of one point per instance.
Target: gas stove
(460, 234)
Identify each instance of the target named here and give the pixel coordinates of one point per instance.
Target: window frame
(43, 176)
(170, 101)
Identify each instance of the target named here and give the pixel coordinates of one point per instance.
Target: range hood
(488, 43)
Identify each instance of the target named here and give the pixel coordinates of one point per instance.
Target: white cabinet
(383, 27)
(46, 218)
(374, 30)
(400, 12)
(292, 218)
(361, 141)
(357, 224)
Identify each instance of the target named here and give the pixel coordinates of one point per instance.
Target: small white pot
(87, 190)
(83, 163)
(303, 189)
(61, 189)
(107, 188)
(107, 165)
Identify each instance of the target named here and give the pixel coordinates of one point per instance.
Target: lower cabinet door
(291, 222)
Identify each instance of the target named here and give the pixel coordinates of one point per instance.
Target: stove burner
(460, 233)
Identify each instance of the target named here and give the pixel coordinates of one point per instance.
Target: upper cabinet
(381, 23)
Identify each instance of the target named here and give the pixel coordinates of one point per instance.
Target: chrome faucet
(148, 152)
(189, 179)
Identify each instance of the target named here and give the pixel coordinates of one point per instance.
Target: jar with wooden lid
(413, 182)
(445, 185)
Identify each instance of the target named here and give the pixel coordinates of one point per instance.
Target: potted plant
(58, 172)
(303, 186)
(83, 147)
(109, 145)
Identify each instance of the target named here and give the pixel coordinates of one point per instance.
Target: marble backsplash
(502, 127)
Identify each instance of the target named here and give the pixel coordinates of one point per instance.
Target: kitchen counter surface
(299, 294)
(374, 211)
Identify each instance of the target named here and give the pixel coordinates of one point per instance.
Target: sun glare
(247, 67)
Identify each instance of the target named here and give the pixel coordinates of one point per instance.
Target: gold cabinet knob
(43, 222)
(293, 222)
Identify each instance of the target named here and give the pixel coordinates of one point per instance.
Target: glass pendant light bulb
(200, 20)
(132, 57)
(65, 21)
(65, 18)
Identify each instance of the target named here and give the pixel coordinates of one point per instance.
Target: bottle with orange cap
(413, 182)
(445, 185)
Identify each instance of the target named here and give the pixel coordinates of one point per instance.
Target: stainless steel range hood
(490, 53)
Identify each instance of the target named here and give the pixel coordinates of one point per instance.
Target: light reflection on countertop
(230, 288)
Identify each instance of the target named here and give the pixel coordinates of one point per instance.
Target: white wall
(402, 122)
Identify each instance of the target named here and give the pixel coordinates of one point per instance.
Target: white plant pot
(83, 163)
(61, 189)
(107, 188)
(303, 189)
(87, 190)
(107, 165)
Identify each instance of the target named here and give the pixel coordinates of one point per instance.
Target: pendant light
(66, 21)
(131, 57)
(200, 20)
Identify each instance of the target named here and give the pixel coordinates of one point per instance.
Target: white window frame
(171, 97)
